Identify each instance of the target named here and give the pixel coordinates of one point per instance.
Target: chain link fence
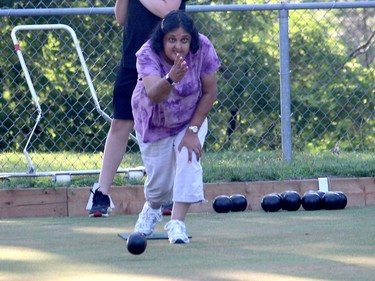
(331, 79)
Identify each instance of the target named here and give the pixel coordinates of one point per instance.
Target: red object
(97, 214)
(167, 212)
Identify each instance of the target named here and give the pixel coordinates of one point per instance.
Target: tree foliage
(332, 85)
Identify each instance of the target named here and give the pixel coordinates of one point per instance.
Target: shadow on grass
(320, 245)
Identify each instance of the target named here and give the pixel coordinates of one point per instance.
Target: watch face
(194, 129)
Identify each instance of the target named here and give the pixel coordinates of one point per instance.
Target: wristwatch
(169, 79)
(194, 129)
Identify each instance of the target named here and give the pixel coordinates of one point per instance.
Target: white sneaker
(176, 232)
(147, 220)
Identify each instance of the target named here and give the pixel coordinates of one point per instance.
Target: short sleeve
(211, 61)
(147, 62)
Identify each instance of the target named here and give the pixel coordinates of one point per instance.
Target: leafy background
(332, 80)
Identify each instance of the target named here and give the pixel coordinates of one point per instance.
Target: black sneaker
(100, 205)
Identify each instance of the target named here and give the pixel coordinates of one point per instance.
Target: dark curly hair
(172, 21)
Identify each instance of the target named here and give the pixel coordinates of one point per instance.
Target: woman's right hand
(179, 68)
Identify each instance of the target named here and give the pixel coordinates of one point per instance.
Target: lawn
(253, 245)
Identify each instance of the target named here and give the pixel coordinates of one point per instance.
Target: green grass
(254, 245)
(218, 167)
(270, 166)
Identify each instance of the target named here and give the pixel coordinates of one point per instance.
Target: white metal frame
(57, 174)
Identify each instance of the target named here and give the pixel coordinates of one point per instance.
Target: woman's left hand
(193, 145)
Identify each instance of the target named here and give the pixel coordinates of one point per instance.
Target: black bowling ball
(344, 199)
(271, 202)
(239, 202)
(321, 194)
(290, 200)
(311, 201)
(222, 204)
(331, 200)
(136, 243)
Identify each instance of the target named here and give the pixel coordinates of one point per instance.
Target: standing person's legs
(114, 150)
(117, 139)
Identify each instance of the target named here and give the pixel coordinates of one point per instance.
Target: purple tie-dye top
(157, 121)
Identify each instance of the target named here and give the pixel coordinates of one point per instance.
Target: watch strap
(169, 79)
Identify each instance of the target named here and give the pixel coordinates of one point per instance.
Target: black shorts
(125, 83)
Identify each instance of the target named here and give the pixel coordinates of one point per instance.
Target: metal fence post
(286, 129)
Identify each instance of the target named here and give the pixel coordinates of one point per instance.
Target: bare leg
(115, 148)
(180, 210)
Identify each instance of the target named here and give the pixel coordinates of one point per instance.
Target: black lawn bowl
(222, 204)
(271, 202)
(290, 200)
(136, 243)
(344, 199)
(311, 201)
(321, 194)
(239, 202)
(331, 200)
